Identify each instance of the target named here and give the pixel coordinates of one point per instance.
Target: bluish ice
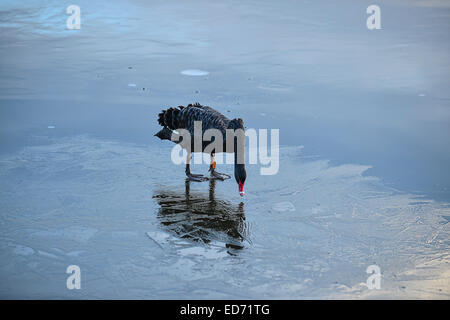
(364, 119)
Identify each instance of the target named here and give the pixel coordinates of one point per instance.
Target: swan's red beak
(241, 189)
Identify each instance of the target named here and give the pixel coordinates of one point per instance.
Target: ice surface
(283, 206)
(138, 230)
(194, 72)
(98, 190)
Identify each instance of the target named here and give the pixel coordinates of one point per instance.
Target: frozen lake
(364, 179)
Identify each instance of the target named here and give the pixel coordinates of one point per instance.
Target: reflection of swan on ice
(202, 218)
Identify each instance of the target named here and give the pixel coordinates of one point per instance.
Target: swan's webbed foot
(218, 175)
(193, 176)
(196, 177)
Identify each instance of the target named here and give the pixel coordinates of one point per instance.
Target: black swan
(182, 117)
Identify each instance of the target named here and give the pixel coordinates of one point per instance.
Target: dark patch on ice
(418, 203)
(202, 218)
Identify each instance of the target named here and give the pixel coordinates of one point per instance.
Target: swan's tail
(170, 118)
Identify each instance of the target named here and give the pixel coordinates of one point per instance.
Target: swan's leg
(192, 176)
(214, 173)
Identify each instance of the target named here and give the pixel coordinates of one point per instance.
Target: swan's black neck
(239, 166)
(239, 150)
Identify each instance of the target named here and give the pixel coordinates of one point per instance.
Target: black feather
(185, 117)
